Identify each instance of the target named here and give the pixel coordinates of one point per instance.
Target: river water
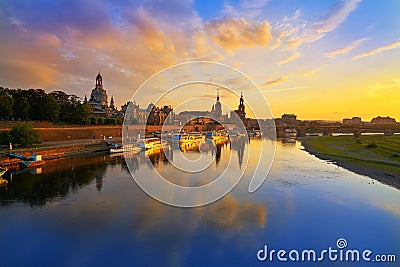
(90, 212)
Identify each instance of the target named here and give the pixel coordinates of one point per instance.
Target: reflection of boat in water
(218, 137)
(129, 148)
(152, 143)
(191, 137)
(190, 146)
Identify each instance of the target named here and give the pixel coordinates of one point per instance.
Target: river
(90, 212)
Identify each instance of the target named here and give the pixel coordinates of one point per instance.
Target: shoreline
(357, 165)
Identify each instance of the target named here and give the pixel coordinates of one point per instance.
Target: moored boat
(3, 171)
(129, 148)
(151, 143)
(192, 137)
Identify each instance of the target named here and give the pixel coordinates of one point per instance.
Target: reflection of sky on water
(96, 215)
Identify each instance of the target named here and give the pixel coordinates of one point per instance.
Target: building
(383, 120)
(353, 121)
(216, 110)
(99, 101)
(98, 98)
(240, 113)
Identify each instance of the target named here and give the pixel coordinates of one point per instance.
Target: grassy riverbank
(372, 155)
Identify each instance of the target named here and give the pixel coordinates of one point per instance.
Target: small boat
(290, 133)
(152, 143)
(257, 133)
(130, 148)
(3, 171)
(192, 137)
(34, 161)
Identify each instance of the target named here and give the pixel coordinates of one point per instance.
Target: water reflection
(91, 206)
(57, 179)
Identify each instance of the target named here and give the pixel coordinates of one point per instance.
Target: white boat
(130, 148)
(152, 143)
(192, 137)
(290, 133)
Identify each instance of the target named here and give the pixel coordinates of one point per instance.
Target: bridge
(329, 129)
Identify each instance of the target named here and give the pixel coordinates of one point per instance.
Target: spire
(218, 95)
(112, 102)
(99, 81)
(85, 101)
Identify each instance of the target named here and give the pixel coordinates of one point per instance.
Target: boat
(129, 148)
(192, 137)
(151, 143)
(290, 133)
(3, 182)
(3, 171)
(33, 161)
(257, 133)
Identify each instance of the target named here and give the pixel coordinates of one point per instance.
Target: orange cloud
(346, 49)
(272, 82)
(378, 50)
(290, 58)
(234, 33)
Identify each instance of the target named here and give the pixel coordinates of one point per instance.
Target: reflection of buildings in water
(58, 179)
(239, 144)
(217, 154)
(288, 141)
(99, 183)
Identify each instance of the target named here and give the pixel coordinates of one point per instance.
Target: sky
(328, 59)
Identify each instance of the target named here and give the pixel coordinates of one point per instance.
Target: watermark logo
(340, 253)
(197, 86)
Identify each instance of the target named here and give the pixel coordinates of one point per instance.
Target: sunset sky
(318, 59)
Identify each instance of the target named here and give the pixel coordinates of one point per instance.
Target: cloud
(336, 17)
(378, 50)
(272, 82)
(249, 9)
(232, 33)
(308, 73)
(290, 58)
(284, 89)
(346, 49)
(293, 32)
(148, 30)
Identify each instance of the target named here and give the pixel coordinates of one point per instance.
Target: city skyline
(321, 60)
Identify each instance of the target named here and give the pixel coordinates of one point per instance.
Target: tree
(6, 104)
(24, 135)
(50, 109)
(22, 108)
(67, 103)
(36, 99)
(82, 114)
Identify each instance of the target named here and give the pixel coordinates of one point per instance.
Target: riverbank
(375, 156)
(56, 150)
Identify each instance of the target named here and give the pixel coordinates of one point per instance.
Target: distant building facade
(383, 120)
(353, 121)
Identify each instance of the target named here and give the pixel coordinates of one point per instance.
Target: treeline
(57, 106)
